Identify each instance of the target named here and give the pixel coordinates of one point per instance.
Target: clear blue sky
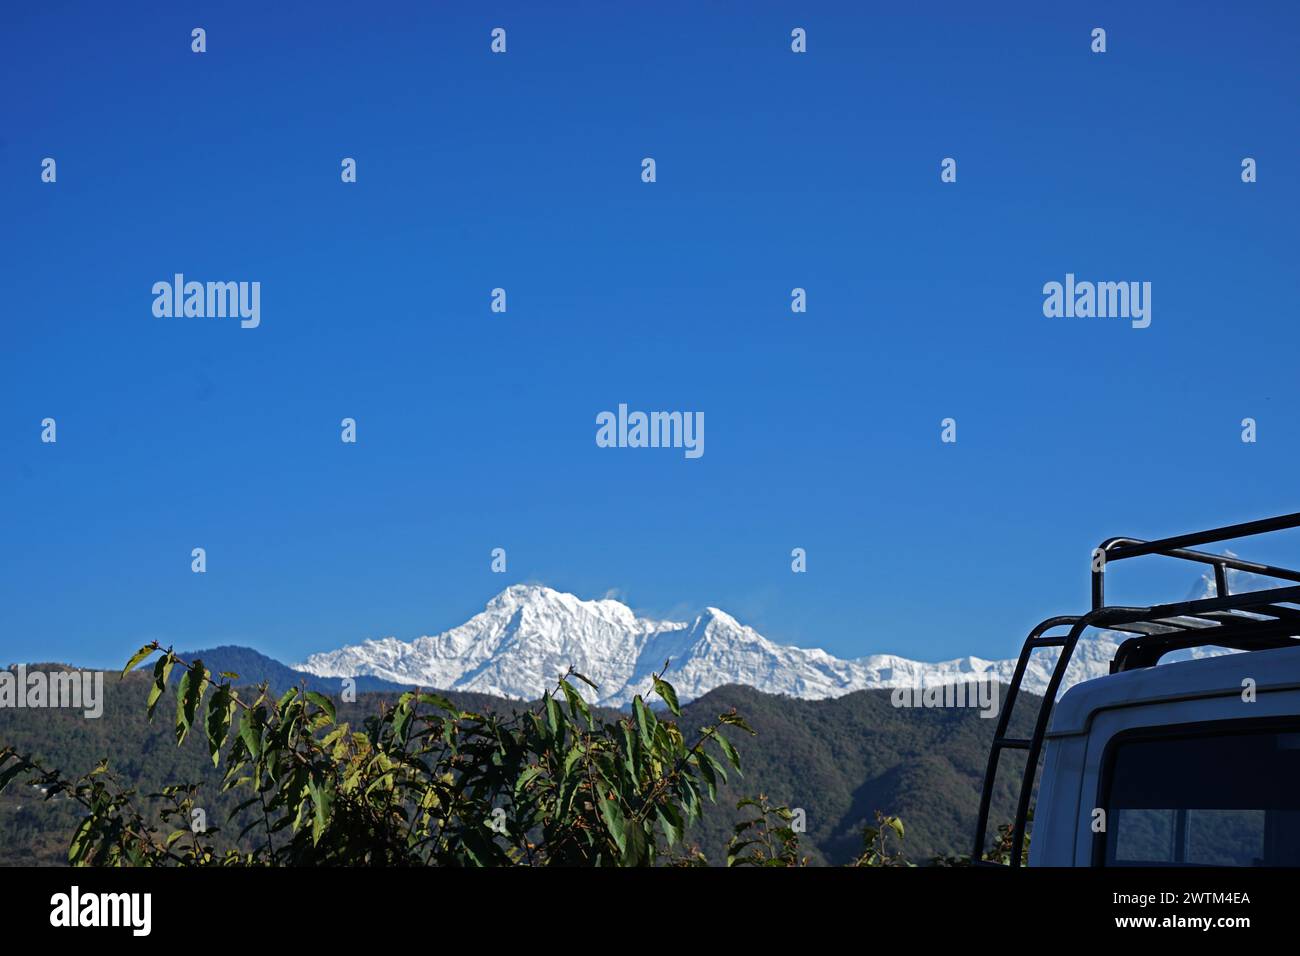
(476, 430)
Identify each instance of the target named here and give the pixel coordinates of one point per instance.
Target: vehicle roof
(1205, 677)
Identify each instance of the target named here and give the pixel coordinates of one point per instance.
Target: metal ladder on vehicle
(1159, 629)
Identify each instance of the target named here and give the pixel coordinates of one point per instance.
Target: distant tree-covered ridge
(597, 786)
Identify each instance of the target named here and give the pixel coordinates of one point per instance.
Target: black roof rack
(1252, 620)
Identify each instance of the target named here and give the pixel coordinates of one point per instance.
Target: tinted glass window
(1222, 798)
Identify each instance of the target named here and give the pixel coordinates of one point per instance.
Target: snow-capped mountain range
(528, 635)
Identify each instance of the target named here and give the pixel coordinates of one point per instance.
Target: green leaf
(645, 721)
(8, 774)
(322, 799)
(77, 847)
(713, 762)
(161, 671)
(554, 719)
(736, 720)
(734, 848)
(690, 799)
(437, 700)
(136, 658)
(250, 730)
(663, 741)
(526, 778)
(184, 713)
(571, 759)
(198, 686)
(665, 690)
(294, 791)
(615, 822)
(636, 850)
(221, 710)
(729, 750)
(670, 818)
(710, 778)
(576, 704)
(402, 715)
(630, 753)
(323, 702)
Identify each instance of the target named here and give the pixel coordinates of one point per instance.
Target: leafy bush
(427, 782)
(1000, 852)
(423, 782)
(765, 839)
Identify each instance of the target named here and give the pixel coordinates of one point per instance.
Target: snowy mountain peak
(541, 604)
(530, 634)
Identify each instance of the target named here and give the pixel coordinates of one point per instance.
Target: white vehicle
(1194, 763)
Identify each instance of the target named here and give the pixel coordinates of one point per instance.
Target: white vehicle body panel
(1090, 715)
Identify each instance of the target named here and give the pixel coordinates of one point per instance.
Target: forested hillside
(837, 760)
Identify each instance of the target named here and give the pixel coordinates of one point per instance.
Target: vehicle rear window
(1216, 797)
